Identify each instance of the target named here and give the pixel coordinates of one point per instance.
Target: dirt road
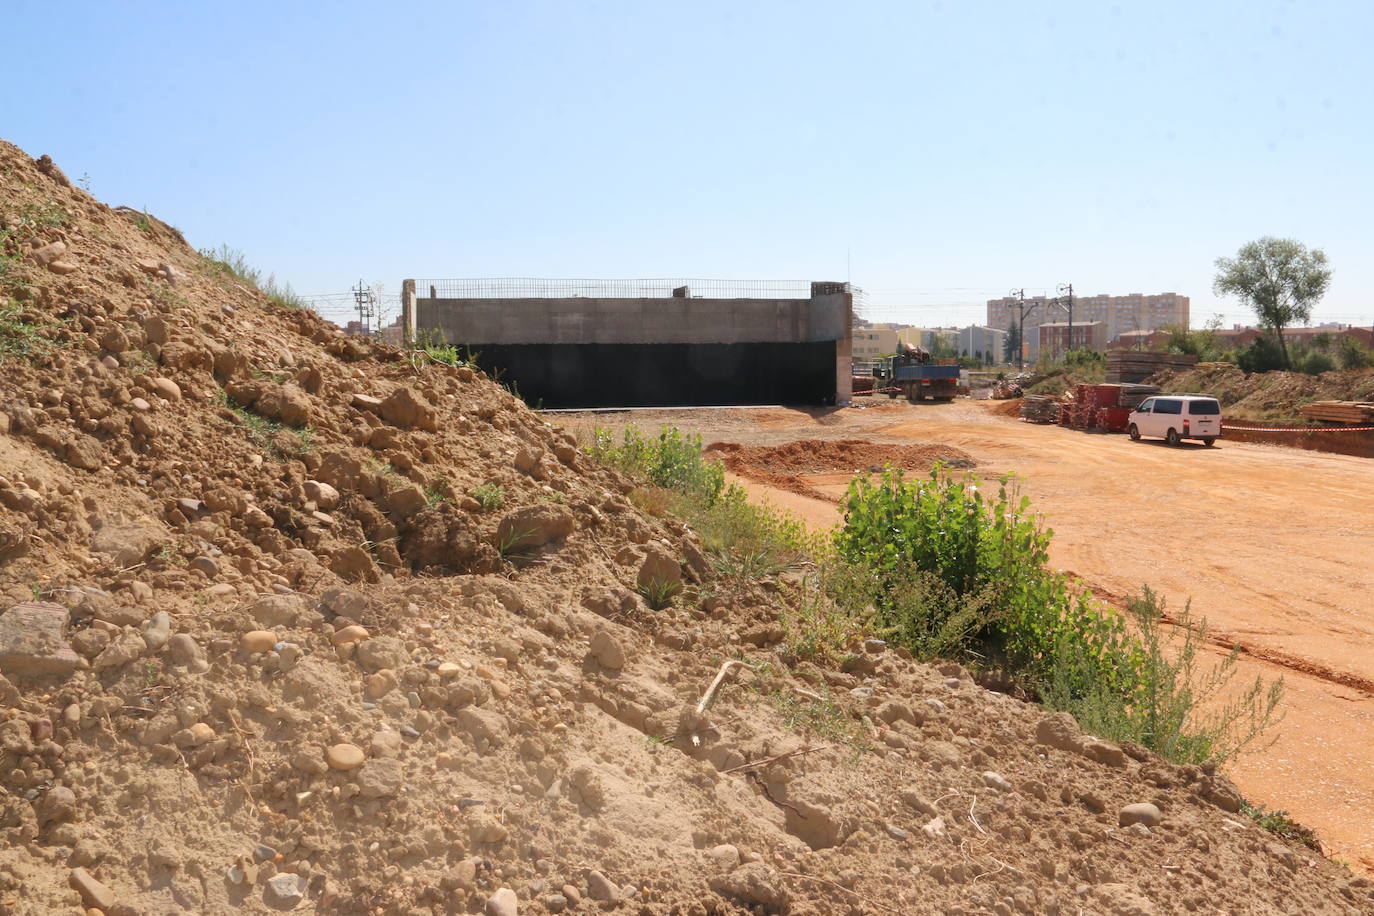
(1272, 545)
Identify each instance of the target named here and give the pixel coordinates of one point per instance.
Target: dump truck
(912, 373)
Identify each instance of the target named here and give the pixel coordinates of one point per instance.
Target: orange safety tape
(1293, 429)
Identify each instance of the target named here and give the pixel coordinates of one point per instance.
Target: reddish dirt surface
(783, 466)
(1270, 544)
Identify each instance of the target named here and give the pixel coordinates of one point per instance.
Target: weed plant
(952, 571)
(229, 262)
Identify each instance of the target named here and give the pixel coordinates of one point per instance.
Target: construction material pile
(1138, 365)
(1349, 413)
(294, 621)
(1040, 408)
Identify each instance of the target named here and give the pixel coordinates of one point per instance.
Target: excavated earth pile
(787, 466)
(295, 621)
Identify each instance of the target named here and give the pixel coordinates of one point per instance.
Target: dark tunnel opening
(664, 375)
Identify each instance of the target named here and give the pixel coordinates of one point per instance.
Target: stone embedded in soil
(322, 495)
(183, 649)
(726, 855)
(286, 888)
(606, 649)
(31, 641)
(93, 892)
(600, 888)
(503, 903)
(57, 805)
(996, 781)
(348, 634)
(345, 757)
(126, 648)
(166, 389)
(403, 407)
(277, 610)
(1140, 813)
(258, 641)
(157, 631)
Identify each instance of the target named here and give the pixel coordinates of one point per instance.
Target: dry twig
(776, 757)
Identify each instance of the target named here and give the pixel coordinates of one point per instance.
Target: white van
(1176, 417)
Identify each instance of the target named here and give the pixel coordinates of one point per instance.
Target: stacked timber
(1138, 365)
(1355, 413)
(1133, 395)
(1039, 408)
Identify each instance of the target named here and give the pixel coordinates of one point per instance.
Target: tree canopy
(1279, 278)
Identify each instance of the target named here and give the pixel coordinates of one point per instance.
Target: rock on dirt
(32, 643)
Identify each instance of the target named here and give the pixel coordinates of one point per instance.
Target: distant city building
(1054, 337)
(1133, 312)
(874, 341)
(977, 340)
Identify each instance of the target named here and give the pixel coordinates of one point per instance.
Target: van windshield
(1204, 408)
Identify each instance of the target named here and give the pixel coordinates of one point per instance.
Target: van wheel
(1133, 433)
(1171, 437)
(1209, 442)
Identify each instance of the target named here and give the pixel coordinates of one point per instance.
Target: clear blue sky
(937, 154)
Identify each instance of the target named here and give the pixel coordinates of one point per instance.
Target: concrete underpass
(661, 346)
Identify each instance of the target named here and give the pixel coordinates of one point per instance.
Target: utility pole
(1063, 287)
(1022, 311)
(366, 302)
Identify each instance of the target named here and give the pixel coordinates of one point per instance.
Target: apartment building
(1119, 314)
(874, 341)
(977, 340)
(1054, 337)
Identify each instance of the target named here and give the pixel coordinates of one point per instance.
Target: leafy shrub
(744, 539)
(953, 570)
(1260, 355)
(1314, 362)
(672, 461)
(1172, 706)
(1351, 354)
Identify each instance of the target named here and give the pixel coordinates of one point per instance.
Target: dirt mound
(1008, 408)
(784, 466)
(1268, 397)
(293, 620)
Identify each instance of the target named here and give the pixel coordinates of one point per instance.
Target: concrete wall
(477, 322)
(584, 352)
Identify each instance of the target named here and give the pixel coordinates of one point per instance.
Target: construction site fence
(536, 288)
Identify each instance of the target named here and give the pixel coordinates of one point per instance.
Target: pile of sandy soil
(785, 466)
(1268, 397)
(295, 621)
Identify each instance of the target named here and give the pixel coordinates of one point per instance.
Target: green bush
(1351, 354)
(744, 539)
(1260, 355)
(1173, 706)
(952, 570)
(671, 461)
(1313, 362)
(987, 550)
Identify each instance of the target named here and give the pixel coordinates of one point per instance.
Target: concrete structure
(873, 342)
(1054, 337)
(976, 339)
(662, 347)
(1133, 312)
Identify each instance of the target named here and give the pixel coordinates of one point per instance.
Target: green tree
(1011, 344)
(1279, 278)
